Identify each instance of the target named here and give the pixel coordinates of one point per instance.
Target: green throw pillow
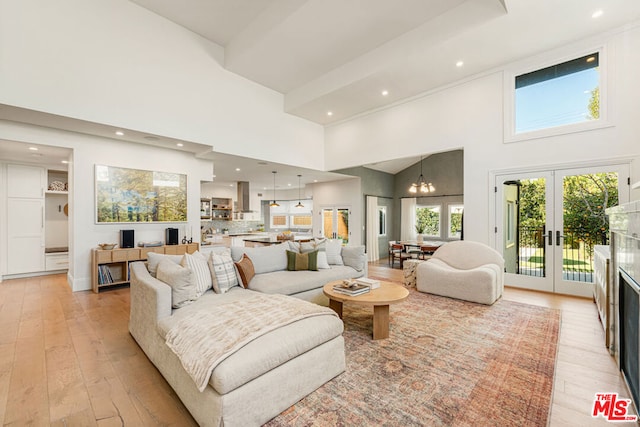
(306, 261)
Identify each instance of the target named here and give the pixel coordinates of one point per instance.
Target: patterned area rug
(446, 363)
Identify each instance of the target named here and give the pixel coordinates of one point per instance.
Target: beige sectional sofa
(269, 373)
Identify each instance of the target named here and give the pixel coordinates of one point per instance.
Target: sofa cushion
(245, 270)
(302, 261)
(293, 282)
(265, 258)
(181, 281)
(353, 256)
(197, 263)
(153, 259)
(223, 272)
(334, 250)
(265, 353)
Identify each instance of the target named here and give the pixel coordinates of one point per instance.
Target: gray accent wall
(444, 170)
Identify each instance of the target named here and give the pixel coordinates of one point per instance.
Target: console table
(111, 267)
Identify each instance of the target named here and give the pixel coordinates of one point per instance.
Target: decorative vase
(420, 238)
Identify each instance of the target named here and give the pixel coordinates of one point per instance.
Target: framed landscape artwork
(133, 195)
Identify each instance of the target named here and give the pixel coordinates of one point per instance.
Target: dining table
(414, 246)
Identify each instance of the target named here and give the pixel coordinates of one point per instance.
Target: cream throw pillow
(322, 260)
(334, 252)
(197, 263)
(223, 272)
(153, 259)
(181, 281)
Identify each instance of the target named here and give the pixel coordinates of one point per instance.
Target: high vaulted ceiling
(340, 55)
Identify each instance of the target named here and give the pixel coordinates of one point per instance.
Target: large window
(564, 94)
(428, 220)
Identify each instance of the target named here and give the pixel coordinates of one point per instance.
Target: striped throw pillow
(197, 263)
(223, 272)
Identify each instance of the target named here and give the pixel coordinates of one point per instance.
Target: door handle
(550, 236)
(558, 237)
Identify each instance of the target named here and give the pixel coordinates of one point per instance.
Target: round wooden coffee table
(380, 298)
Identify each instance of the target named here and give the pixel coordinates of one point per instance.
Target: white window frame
(449, 208)
(509, 92)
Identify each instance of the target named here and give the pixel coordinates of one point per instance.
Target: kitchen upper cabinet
(25, 182)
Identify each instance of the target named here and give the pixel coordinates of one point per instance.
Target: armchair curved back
(465, 255)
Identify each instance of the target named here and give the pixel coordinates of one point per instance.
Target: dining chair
(397, 253)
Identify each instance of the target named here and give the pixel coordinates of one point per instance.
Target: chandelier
(421, 184)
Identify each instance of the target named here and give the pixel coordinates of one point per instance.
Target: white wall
(88, 151)
(343, 193)
(115, 63)
(470, 115)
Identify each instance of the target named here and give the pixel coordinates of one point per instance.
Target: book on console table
(371, 283)
(351, 289)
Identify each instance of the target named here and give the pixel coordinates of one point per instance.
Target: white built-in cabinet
(37, 220)
(25, 219)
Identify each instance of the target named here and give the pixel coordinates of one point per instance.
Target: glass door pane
(524, 213)
(581, 223)
(328, 223)
(342, 223)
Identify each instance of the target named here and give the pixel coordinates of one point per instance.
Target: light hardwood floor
(67, 359)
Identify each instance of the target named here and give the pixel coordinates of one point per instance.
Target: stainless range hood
(243, 197)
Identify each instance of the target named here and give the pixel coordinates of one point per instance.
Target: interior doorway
(548, 222)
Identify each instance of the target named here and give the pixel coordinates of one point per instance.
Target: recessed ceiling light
(230, 185)
(237, 169)
(65, 162)
(180, 144)
(119, 133)
(329, 113)
(33, 148)
(591, 59)
(385, 92)
(597, 14)
(459, 63)
(289, 185)
(315, 180)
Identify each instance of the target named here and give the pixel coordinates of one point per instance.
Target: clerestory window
(560, 98)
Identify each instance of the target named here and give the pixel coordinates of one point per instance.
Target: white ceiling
(337, 55)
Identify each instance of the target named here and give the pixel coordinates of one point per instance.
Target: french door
(335, 222)
(548, 222)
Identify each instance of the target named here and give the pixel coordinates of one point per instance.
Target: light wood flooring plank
(68, 358)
